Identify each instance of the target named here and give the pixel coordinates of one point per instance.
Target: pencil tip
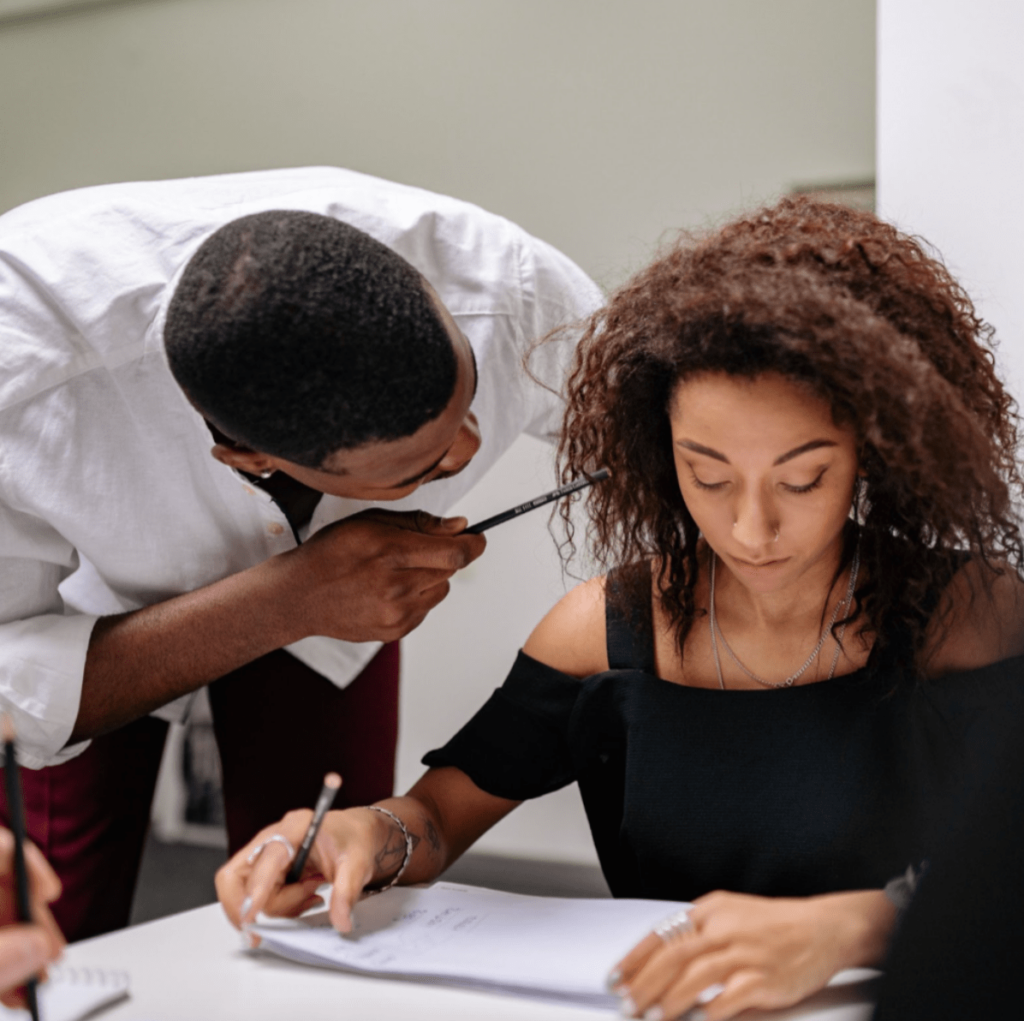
(332, 780)
(7, 732)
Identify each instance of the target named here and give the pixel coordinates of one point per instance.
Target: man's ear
(242, 459)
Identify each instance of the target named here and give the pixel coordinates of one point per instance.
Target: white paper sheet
(551, 947)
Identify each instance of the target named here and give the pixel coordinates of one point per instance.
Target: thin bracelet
(408, 849)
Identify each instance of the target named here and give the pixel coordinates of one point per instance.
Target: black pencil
(539, 501)
(16, 813)
(327, 795)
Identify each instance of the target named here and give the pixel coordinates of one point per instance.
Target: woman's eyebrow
(699, 448)
(803, 449)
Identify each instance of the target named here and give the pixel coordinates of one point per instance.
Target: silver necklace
(789, 681)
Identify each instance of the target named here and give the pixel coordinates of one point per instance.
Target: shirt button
(275, 528)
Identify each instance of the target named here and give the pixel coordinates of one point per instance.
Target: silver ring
(278, 838)
(677, 924)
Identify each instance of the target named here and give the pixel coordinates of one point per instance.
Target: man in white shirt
(336, 342)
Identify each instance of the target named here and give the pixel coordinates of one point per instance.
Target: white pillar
(951, 147)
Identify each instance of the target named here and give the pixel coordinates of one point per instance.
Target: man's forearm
(371, 577)
(142, 660)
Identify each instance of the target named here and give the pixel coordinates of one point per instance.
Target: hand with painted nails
(411, 839)
(25, 949)
(253, 881)
(357, 850)
(744, 951)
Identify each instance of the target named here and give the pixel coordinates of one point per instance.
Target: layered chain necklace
(716, 632)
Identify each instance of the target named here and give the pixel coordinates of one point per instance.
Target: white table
(191, 967)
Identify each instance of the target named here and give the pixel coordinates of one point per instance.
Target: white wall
(598, 125)
(951, 146)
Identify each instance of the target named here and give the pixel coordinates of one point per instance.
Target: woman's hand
(354, 848)
(344, 854)
(358, 847)
(760, 951)
(25, 950)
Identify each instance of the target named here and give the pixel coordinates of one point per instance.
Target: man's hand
(25, 950)
(373, 576)
(376, 575)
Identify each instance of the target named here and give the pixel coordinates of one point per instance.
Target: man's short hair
(298, 335)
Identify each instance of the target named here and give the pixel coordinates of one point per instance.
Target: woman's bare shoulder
(571, 638)
(980, 620)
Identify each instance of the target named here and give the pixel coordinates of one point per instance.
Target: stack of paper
(548, 947)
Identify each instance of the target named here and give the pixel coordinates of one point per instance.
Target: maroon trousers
(279, 726)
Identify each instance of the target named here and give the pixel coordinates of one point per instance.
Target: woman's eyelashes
(788, 487)
(705, 485)
(810, 485)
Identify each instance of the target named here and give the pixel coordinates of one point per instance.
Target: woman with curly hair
(814, 589)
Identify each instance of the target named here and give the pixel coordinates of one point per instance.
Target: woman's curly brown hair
(846, 304)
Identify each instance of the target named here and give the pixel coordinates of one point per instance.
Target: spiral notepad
(74, 993)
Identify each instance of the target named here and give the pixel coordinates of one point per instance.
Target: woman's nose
(754, 525)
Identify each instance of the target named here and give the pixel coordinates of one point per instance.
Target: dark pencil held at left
(29, 937)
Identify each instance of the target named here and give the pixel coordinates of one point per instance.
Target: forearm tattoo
(433, 836)
(390, 857)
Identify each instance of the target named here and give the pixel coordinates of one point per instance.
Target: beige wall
(597, 125)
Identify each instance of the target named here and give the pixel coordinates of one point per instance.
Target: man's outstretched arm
(372, 577)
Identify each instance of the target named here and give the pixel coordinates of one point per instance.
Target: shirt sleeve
(516, 746)
(42, 649)
(557, 298)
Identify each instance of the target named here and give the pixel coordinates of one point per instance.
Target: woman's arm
(571, 637)
(444, 813)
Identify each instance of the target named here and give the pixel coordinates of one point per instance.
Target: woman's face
(766, 474)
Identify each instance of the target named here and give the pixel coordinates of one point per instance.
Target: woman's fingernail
(245, 908)
(654, 1013)
(628, 1007)
(250, 941)
(707, 995)
(613, 979)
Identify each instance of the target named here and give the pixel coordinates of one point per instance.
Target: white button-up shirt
(109, 498)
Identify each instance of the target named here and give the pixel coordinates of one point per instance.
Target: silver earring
(266, 473)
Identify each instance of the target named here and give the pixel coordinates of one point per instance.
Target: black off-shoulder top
(837, 785)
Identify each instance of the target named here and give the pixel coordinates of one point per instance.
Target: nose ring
(775, 539)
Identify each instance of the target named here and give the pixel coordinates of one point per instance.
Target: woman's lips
(759, 565)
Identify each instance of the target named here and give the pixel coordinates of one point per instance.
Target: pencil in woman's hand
(332, 783)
